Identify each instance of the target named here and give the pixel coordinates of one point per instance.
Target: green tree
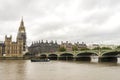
(74, 48)
(118, 47)
(62, 49)
(96, 48)
(106, 48)
(84, 48)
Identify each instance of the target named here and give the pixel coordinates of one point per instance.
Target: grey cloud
(98, 18)
(104, 35)
(75, 22)
(11, 9)
(48, 27)
(91, 4)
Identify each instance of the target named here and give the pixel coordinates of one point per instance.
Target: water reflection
(12, 69)
(58, 70)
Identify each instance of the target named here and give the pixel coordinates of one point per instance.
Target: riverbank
(14, 58)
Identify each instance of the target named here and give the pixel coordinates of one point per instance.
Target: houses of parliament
(14, 49)
(17, 48)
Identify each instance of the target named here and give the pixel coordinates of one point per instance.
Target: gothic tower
(22, 34)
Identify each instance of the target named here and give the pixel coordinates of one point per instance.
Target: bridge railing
(98, 52)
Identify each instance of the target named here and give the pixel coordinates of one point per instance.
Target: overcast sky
(91, 21)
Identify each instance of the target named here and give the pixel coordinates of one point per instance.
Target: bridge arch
(43, 56)
(66, 56)
(53, 56)
(85, 56)
(112, 53)
(109, 56)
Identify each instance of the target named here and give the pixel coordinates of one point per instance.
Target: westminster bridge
(86, 55)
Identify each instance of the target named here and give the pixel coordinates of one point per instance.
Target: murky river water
(58, 70)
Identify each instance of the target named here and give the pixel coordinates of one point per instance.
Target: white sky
(91, 21)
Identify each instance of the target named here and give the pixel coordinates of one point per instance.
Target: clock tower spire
(22, 34)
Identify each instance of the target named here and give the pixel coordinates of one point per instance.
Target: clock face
(22, 31)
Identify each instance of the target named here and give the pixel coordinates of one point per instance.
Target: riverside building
(14, 49)
(43, 47)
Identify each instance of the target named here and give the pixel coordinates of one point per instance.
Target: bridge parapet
(71, 52)
(98, 52)
(109, 51)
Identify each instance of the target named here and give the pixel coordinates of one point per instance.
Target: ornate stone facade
(15, 49)
(2, 48)
(43, 47)
(49, 47)
(80, 45)
(68, 45)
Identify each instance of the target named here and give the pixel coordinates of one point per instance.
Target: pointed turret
(22, 23)
(22, 27)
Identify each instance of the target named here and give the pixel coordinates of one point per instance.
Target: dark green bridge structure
(86, 55)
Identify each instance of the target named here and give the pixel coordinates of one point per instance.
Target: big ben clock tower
(22, 34)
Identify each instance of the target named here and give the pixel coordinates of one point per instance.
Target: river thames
(58, 70)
